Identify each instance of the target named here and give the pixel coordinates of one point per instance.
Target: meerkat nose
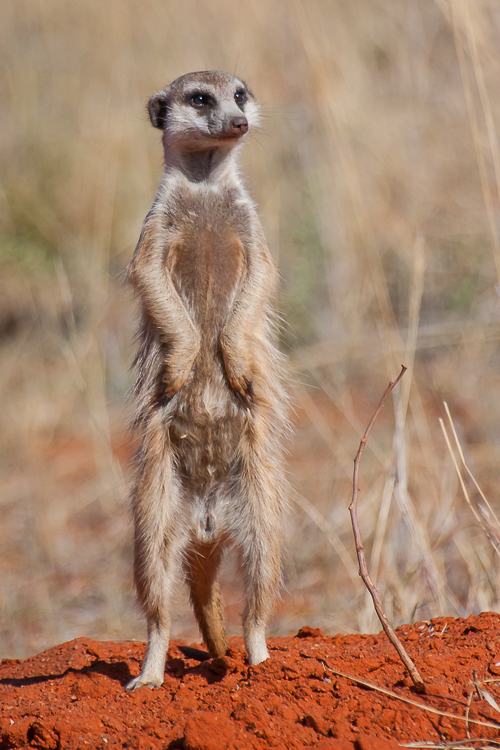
(239, 125)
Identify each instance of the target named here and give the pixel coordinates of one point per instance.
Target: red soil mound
(73, 696)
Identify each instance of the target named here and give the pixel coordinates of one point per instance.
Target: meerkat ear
(157, 108)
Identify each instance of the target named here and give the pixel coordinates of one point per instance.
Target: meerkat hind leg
(152, 672)
(159, 540)
(202, 563)
(261, 565)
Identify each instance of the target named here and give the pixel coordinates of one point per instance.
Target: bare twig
(455, 745)
(411, 702)
(363, 568)
(467, 711)
(489, 521)
(483, 694)
(494, 527)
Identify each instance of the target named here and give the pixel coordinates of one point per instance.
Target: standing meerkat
(211, 406)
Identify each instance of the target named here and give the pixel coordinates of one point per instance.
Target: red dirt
(72, 695)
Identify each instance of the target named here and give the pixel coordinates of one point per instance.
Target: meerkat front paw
(178, 366)
(174, 377)
(238, 371)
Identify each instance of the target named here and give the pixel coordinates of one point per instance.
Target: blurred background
(376, 172)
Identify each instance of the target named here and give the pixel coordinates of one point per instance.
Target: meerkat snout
(239, 125)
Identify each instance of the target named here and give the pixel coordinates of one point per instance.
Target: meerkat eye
(240, 97)
(200, 100)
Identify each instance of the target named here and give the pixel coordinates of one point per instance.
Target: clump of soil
(72, 696)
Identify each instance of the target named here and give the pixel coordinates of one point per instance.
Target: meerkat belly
(207, 267)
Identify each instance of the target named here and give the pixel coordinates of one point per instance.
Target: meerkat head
(205, 110)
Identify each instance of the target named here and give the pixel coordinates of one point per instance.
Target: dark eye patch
(199, 99)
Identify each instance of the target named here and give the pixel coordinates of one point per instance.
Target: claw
(249, 391)
(246, 397)
(137, 682)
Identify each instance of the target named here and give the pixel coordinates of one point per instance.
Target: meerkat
(211, 403)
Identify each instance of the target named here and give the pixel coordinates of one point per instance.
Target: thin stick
(467, 711)
(469, 472)
(363, 568)
(488, 527)
(392, 694)
(463, 744)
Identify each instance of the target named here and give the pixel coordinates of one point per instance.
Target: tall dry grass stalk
(377, 174)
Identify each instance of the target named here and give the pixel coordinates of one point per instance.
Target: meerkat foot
(153, 670)
(255, 642)
(257, 657)
(144, 681)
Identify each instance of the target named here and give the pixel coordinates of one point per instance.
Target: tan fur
(211, 408)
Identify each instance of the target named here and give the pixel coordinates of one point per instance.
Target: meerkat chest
(208, 260)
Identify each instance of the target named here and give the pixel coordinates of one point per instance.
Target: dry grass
(377, 174)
